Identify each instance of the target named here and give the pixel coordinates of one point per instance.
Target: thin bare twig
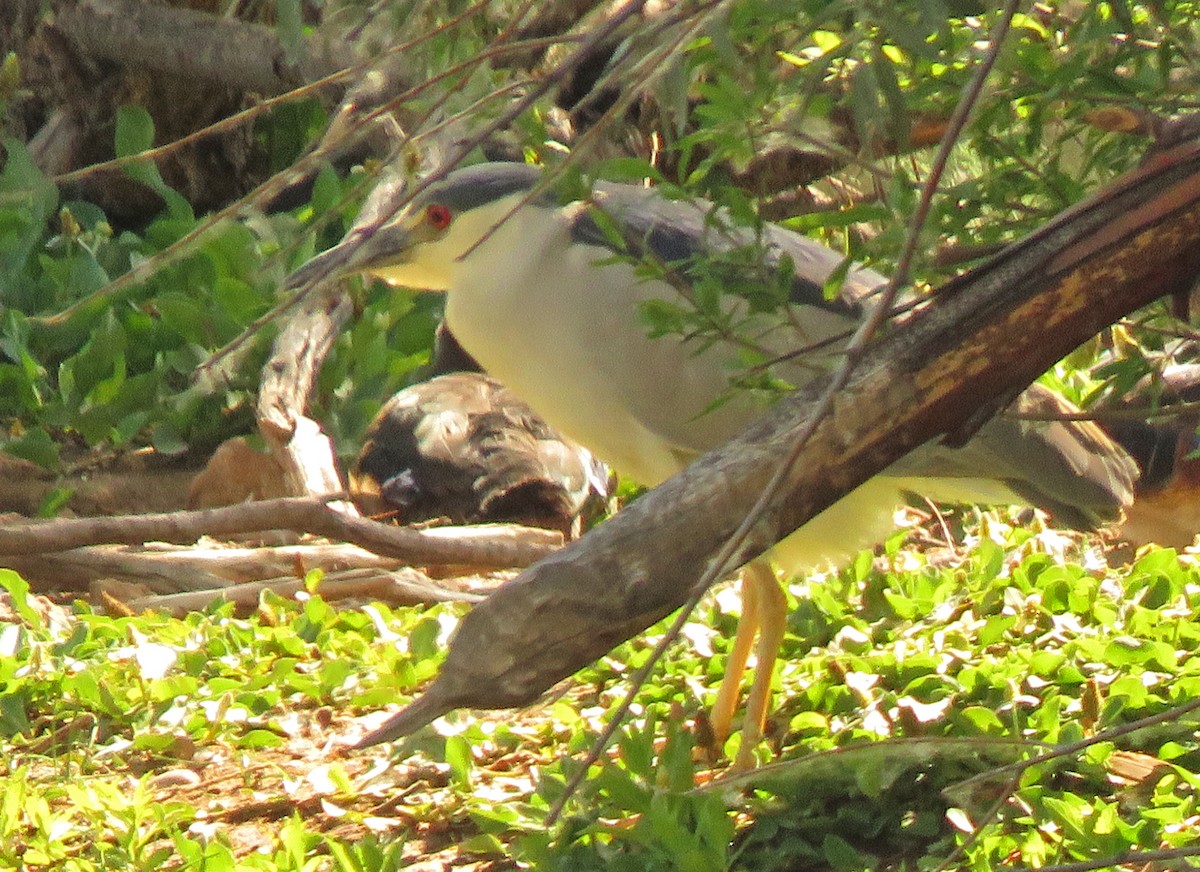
(977, 831)
(485, 545)
(400, 587)
(1124, 413)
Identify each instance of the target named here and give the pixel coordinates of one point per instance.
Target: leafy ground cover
(909, 683)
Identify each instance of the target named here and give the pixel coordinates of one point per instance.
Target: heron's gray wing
(1068, 468)
(1072, 469)
(675, 231)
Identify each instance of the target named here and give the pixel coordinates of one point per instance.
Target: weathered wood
(484, 545)
(163, 569)
(207, 48)
(294, 440)
(400, 587)
(987, 335)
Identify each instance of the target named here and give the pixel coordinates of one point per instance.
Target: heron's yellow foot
(764, 613)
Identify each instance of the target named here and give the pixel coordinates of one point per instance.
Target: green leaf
(36, 446)
(18, 591)
(897, 118)
(460, 760)
(134, 135)
(260, 739)
(29, 199)
(841, 854)
(628, 169)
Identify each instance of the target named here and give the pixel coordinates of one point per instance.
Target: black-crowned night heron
(550, 300)
(461, 446)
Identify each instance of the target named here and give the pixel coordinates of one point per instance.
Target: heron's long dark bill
(360, 252)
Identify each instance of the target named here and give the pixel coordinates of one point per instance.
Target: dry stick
(496, 546)
(238, 564)
(721, 562)
(401, 587)
(170, 569)
(164, 569)
(1125, 413)
(194, 44)
(80, 568)
(303, 451)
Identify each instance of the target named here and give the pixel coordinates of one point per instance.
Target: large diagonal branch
(988, 335)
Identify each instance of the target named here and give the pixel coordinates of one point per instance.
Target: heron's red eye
(438, 216)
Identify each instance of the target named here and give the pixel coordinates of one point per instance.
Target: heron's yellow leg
(764, 613)
(721, 718)
(771, 617)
